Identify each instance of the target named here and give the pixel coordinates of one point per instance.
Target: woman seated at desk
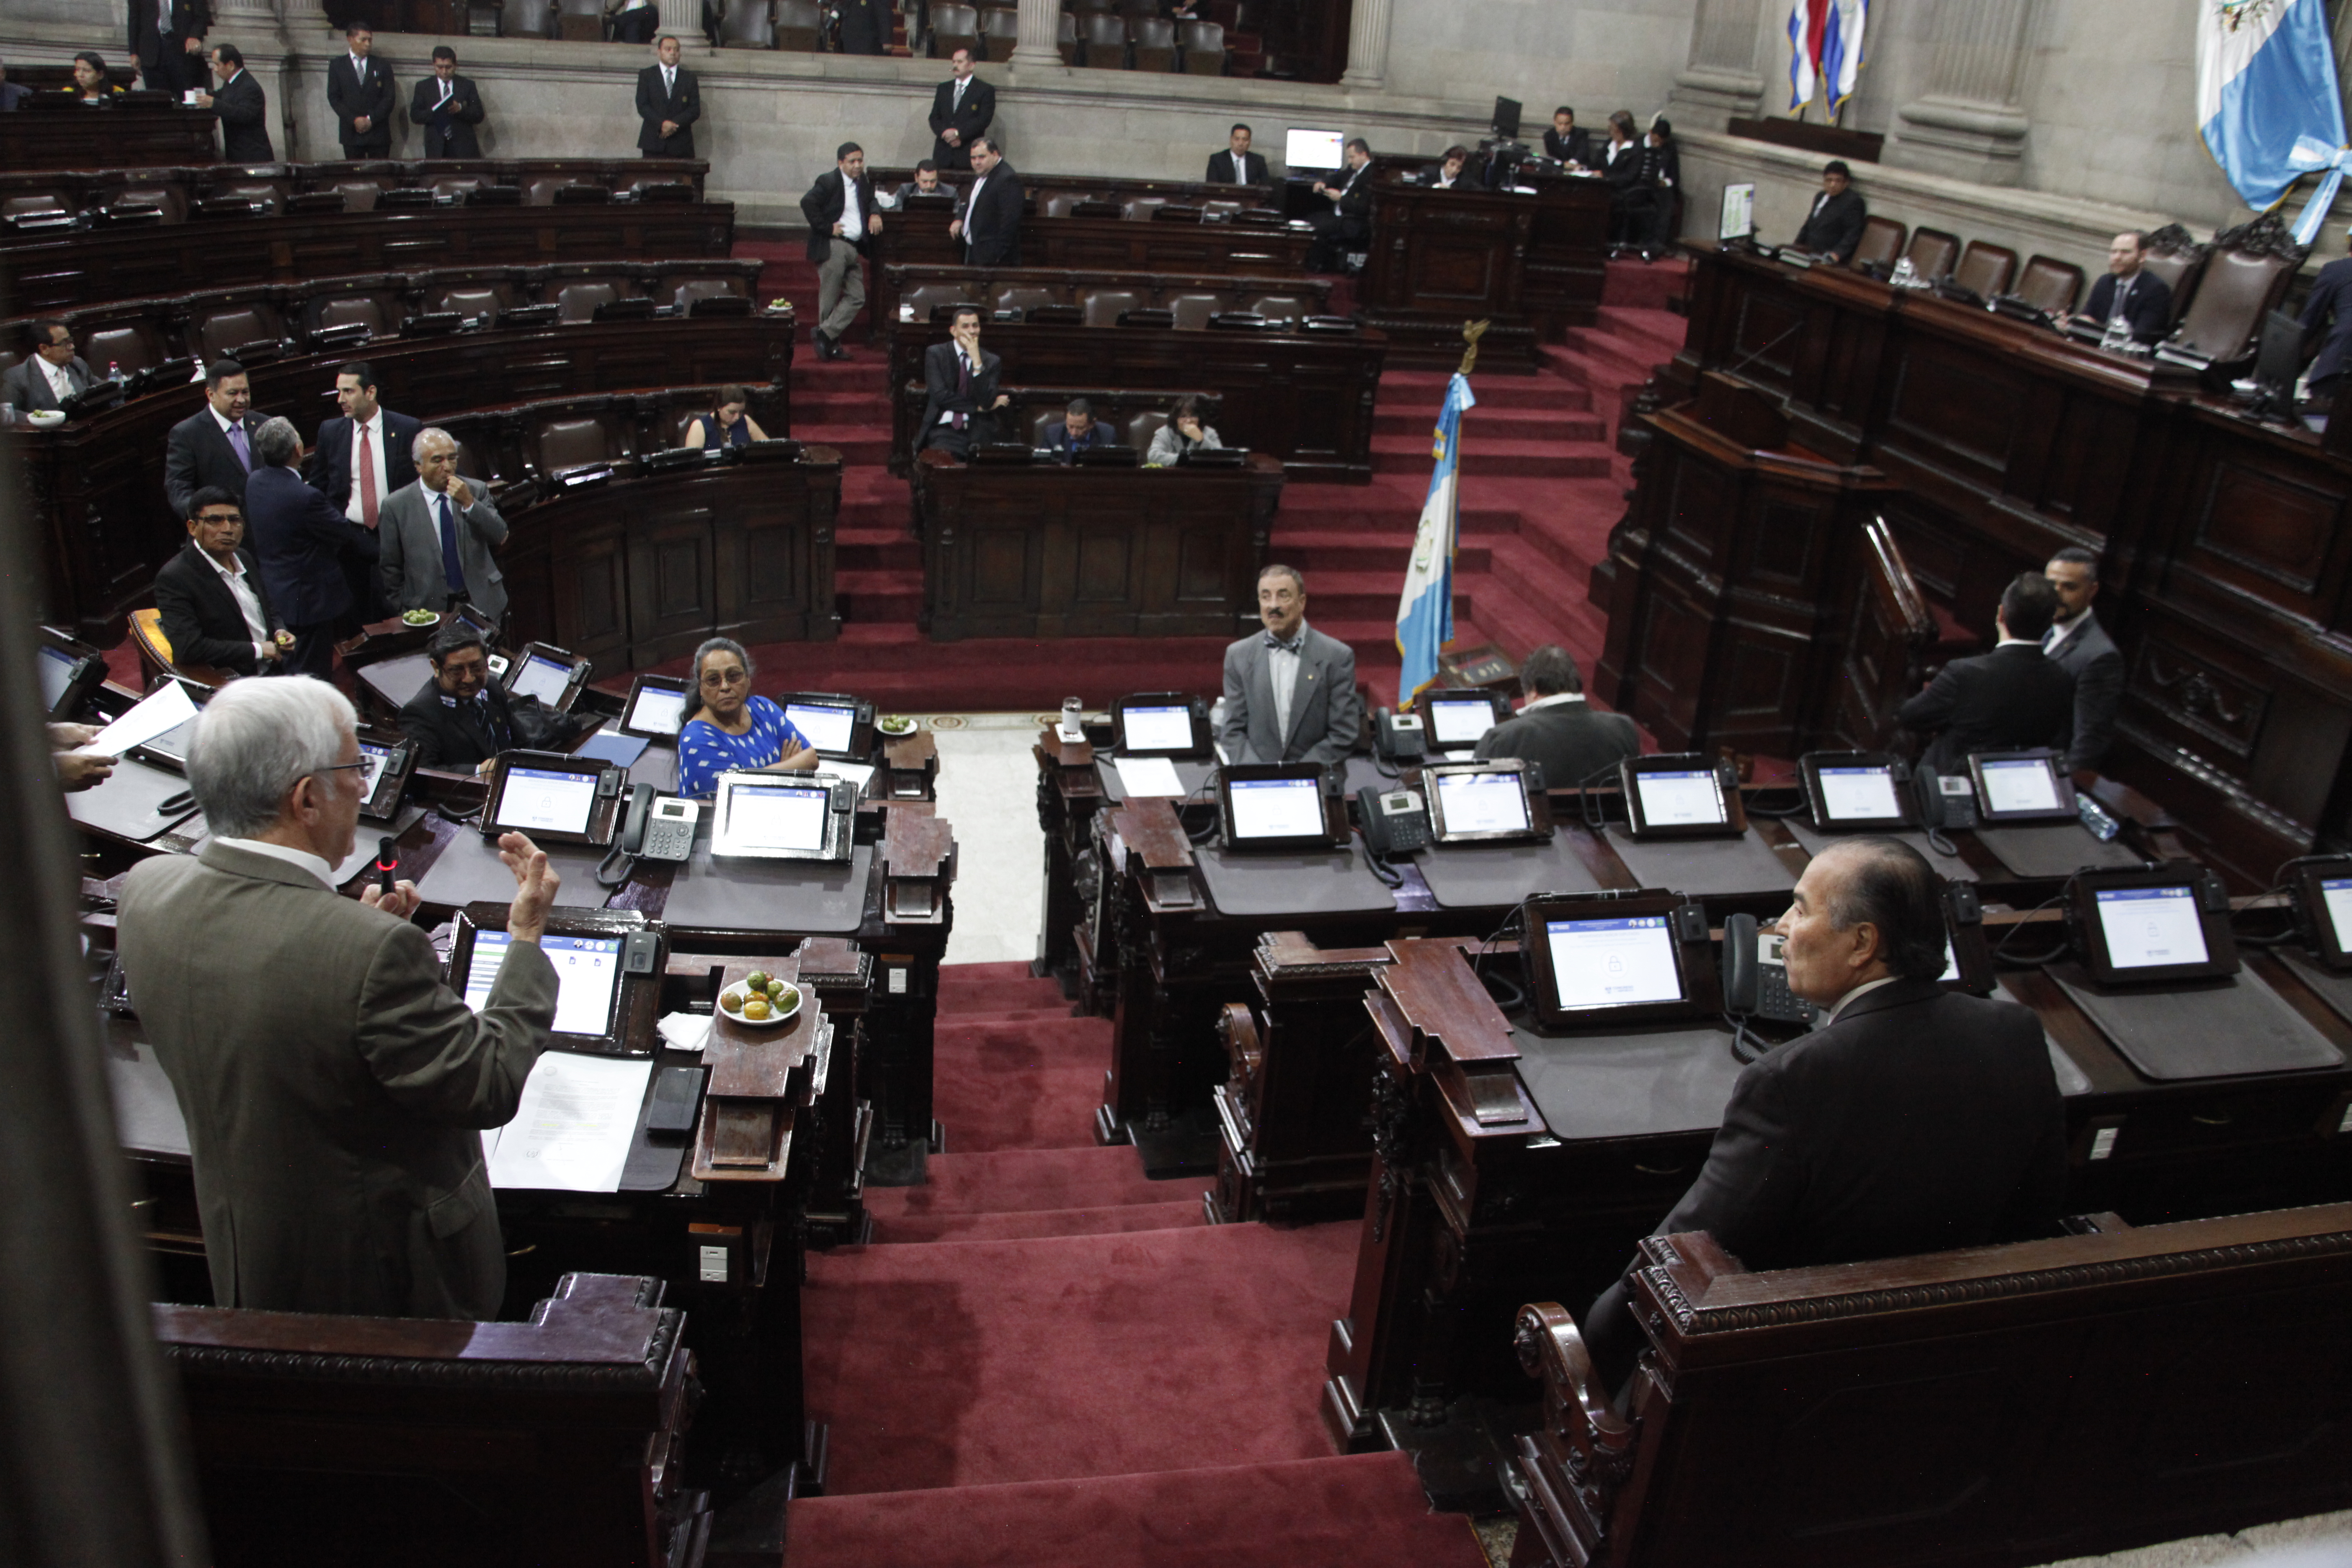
(90, 78)
(727, 729)
(729, 426)
(1183, 433)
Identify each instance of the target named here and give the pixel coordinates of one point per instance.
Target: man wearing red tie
(362, 457)
(960, 395)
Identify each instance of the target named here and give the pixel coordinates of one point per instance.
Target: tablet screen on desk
(2020, 783)
(543, 800)
(825, 726)
(656, 711)
(777, 816)
(57, 669)
(2150, 928)
(1482, 803)
(587, 975)
(1276, 808)
(540, 677)
(1155, 728)
(377, 759)
(1683, 798)
(1456, 722)
(1616, 963)
(1860, 795)
(2335, 898)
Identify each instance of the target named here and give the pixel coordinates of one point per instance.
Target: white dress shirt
(971, 205)
(1554, 700)
(373, 426)
(1281, 673)
(300, 857)
(1864, 989)
(248, 602)
(853, 219)
(60, 377)
(2060, 630)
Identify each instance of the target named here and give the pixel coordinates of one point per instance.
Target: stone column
(683, 17)
(1038, 43)
(1968, 125)
(1368, 45)
(1720, 81)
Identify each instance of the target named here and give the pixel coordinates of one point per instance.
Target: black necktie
(1293, 645)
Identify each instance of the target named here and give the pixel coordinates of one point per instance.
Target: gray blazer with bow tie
(1326, 715)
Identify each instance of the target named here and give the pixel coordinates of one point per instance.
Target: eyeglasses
(339, 767)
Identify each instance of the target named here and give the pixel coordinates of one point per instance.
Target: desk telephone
(1399, 737)
(1756, 975)
(659, 827)
(1396, 821)
(1944, 801)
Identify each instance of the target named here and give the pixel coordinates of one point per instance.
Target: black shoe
(816, 342)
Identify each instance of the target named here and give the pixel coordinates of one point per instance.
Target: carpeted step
(1510, 425)
(876, 549)
(1018, 1084)
(1024, 1180)
(1426, 389)
(1364, 1511)
(974, 987)
(1650, 284)
(1320, 551)
(1123, 1219)
(887, 597)
(966, 1363)
(861, 444)
(1557, 459)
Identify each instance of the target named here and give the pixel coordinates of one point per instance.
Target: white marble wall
(1594, 54)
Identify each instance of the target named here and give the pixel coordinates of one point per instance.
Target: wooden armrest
(1551, 1348)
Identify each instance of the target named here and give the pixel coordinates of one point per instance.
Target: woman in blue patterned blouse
(726, 728)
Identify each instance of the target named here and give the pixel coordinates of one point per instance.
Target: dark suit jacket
(244, 110)
(2010, 699)
(449, 129)
(683, 104)
(299, 536)
(26, 387)
(2090, 657)
(329, 468)
(350, 96)
(978, 113)
(1221, 168)
(1834, 227)
(2148, 307)
(865, 26)
(197, 454)
(1327, 717)
(1058, 441)
(448, 735)
(1576, 149)
(190, 19)
(200, 620)
(1351, 217)
(998, 219)
(1571, 740)
(13, 93)
(823, 205)
(2330, 308)
(1921, 1120)
(941, 393)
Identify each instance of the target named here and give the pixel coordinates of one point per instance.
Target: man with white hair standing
(331, 1083)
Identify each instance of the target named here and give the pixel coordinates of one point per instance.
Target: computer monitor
(70, 672)
(1274, 806)
(2149, 924)
(549, 673)
(1484, 803)
(2020, 786)
(1158, 724)
(1857, 791)
(1456, 716)
(587, 977)
(2278, 362)
(553, 797)
(655, 708)
(1307, 150)
(1681, 795)
(2322, 892)
(1637, 958)
(1736, 219)
(836, 724)
(781, 817)
(1506, 119)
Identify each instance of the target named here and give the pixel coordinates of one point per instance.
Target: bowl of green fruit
(760, 1000)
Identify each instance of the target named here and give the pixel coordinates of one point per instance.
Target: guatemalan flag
(1425, 609)
(2267, 104)
(1826, 49)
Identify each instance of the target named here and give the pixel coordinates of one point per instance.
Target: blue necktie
(450, 570)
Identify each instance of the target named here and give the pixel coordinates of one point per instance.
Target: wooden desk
(52, 131)
(48, 274)
(943, 282)
(176, 187)
(1306, 400)
(1044, 550)
(1531, 265)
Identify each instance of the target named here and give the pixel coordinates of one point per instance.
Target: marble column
(1036, 45)
(1720, 81)
(1368, 45)
(683, 17)
(1968, 125)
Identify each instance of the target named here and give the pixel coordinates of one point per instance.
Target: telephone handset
(1399, 737)
(1756, 977)
(659, 827)
(1396, 821)
(1944, 801)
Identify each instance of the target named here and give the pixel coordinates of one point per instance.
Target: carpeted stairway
(1044, 1358)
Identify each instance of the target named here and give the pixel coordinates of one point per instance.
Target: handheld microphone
(387, 861)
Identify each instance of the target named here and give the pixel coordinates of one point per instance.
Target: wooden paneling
(129, 132)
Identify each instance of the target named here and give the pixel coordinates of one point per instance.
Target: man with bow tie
(1290, 691)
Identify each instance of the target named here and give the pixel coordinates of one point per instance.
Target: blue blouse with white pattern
(705, 751)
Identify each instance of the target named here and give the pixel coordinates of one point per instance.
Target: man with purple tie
(213, 446)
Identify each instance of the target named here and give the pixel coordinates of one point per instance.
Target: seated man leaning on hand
(1290, 691)
(1917, 1120)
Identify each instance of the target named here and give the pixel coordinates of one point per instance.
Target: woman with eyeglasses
(728, 730)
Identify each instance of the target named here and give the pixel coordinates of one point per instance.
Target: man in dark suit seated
(960, 395)
(2078, 644)
(2327, 317)
(446, 107)
(1557, 729)
(243, 108)
(1833, 229)
(926, 182)
(50, 375)
(1348, 226)
(214, 609)
(1290, 691)
(360, 91)
(460, 720)
(299, 538)
(213, 446)
(988, 219)
(962, 108)
(1238, 165)
(2013, 698)
(669, 101)
(11, 93)
(2128, 292)
(1916, 1120)
(1079, 431)
(1564, 143)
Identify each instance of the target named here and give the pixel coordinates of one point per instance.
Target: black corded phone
(1396, 821)
(1399, 737)
(1945, 803)
(659, 827)
(1755, 977)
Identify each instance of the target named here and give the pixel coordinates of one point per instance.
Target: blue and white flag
(2267, 102)
(1425, 609)
(1841, 32)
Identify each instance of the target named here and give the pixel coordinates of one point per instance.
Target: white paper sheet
(853, 773)
(571, 1132)
(167, 707)
(1148, 776)
(684, 1031)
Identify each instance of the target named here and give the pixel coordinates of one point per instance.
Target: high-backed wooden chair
(576, 299)
(800, 25)
(219, 332)
(1020, 295)
(955, 28)
(1155, 43)
(928, 297)
(2052, 286)
(1143, 425)
(1103, 307)
(1986, 270)
(1204, 48)
(1881, 244)
(1193, 310)
(2179, 257)
(1106, 40)
(135, 343)
(999, 30)
(747, 25)
(2246, 275)
(1932, 253)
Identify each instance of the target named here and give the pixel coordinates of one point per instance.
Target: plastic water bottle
(1905, 274)
(200, 369)
(2117, 339)
(1072, 718)
(113, 371)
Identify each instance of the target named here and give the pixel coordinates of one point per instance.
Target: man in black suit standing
(866, 27)
(1238, 165)
(1564, 143)
(2130, 293)
(1917, 1120)
(446, 107)
(215, 610)
(363, 457)
(360, 91)
(50, 375)
(842, 224)
(988, 218)
(960, 394)
(1348, 225)
(2013, 698)
(1833, 227)
(243, 108)
(167, 39)
(213, 446)
(962, 108)
(2078, 644)
(299, 541)
(1557, 729)
(669, 102)
(460, 719)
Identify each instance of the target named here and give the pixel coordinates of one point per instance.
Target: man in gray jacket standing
(1290, 691)
(433, 537)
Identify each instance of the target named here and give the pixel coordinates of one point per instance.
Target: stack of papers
(165, 709)
(1141, 777)
(572, 1133)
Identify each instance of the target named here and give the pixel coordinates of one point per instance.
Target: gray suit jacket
(27, 388)
(408, 562)
(331, 1085)
(2090, 657)
(1327, 717)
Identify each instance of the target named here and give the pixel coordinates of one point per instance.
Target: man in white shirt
(362, 456)
(960, 387)
(1290, 691)
(1555, 729)
(842, 220)
(669, 101)
(214, 608)
(52, 376)
(989, 221)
